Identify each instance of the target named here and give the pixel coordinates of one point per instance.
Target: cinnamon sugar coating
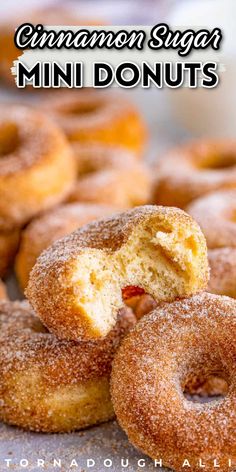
(216, 214)
(51, 226)
(37, 168)
(151, 369)
(95, 116)
(223, 271)
(110, 175)
(76, 285)
(3, 293)
(51, 385)
(193, 170)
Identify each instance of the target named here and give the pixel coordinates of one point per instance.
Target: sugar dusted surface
(102, 243)
(35, 363)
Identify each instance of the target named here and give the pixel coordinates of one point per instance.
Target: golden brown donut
(9, 241)
(216, 214)
(51, 226)
(150, 372)
(76, 285)
(50, 385)
(97, 116)
(37, 168)
(110, 175)
(194, 170)
(3, 292)
(222, 263)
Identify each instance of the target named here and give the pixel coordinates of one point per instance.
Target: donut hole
(218, 162)
(138, 300)
(208, 387)
(9, 138)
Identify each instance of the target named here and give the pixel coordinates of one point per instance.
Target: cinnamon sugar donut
(3, 293)
(97, 116)
(150, 372)
(9, 241)
(216, 214)
(110, 175)
(37, 169)
(56, 15)
(50, 385)
(222, 263)
(76, 285)
(51, 226)
(193, 170)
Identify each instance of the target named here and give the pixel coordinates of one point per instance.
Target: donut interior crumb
(162, 260)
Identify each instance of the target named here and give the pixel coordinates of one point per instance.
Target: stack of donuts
(122, 316)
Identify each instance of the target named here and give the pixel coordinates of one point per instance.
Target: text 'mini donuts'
(76, 285)
(151, 369)
(194, 170)
(50, 385)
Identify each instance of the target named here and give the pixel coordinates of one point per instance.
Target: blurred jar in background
(210, 112)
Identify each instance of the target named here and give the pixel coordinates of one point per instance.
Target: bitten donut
(3, 293)
(51, 226)
(110, 175)
(37, 168)
(9, 241)
(150, 371)
(76, 285)
(98, 116)
(50, 385)
(193, 170)
(216, 214)
(222, 263)
(56, 15)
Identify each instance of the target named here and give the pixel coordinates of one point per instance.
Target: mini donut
(50, 385)
(37, 168)
(194, 170)
(97, 116)
(150, 371)
(51, 226)
(216, 214)
(9, 241)
(76, 285)
(3, 293)
(110, 175)
(222, 263)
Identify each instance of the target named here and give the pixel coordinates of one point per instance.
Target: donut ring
(151, 369)
(51, 226)
(194, 170)
(216, 214)
(3, 292)
(223, 271)
(98, 116)
(76, 285)
(37, 169)
(9, 241)
(67, 382)
(110, 175)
